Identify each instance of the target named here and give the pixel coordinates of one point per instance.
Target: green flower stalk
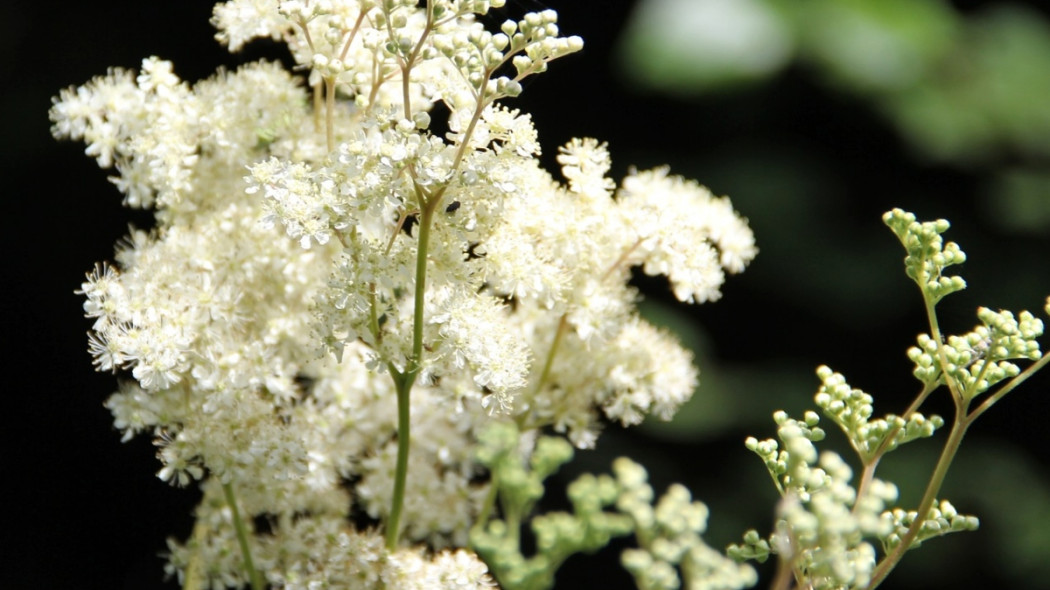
(827, 530)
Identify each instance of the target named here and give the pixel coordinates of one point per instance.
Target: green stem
(329, 112)
(1010, 386)
(785, 574)
(373, 315)
(426, 220)
(872, 462)
(393, 524)
(242, 538)
(479, 108)
(512, 514)
(488, 505)
(318, 92)
(951, 447)
(404, 381)
(193, 573)
(563, 324)
(352, 34)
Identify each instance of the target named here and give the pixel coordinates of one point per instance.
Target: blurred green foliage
(965, 89)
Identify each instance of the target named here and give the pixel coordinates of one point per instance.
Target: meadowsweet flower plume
(327, 275)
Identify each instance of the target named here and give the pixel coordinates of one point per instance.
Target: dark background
(813, 169)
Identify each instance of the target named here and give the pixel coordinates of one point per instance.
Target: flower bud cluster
(852, 409)
(669, 538)
(927, 368)
(797, 438)
(981, 358)
(479, 56)
(822, 524)
(537, 36)
(558, 535)
(942, 519)
(754, 548)
(928, 255)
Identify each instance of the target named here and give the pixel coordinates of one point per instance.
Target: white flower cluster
(319, 552)
(267, 318)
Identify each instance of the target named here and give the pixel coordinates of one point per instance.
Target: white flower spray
(334, 299)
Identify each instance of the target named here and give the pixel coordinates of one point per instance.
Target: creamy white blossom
(684, 232)
(319, 252)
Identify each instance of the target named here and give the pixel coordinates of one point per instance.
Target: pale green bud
(521, 63)
(508, 87)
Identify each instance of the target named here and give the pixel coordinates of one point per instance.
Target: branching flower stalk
(925, 263)
(823, 523)
(1007, 388)
(870, 464)
(964, 417)
(933, 488)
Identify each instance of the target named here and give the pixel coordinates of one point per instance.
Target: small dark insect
(452, 207)
(471, 254)
(979, 352)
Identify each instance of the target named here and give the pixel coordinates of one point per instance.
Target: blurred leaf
(958, 88)
(879, 46)
(687, 46)
(988, 97)
(1019, 200)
